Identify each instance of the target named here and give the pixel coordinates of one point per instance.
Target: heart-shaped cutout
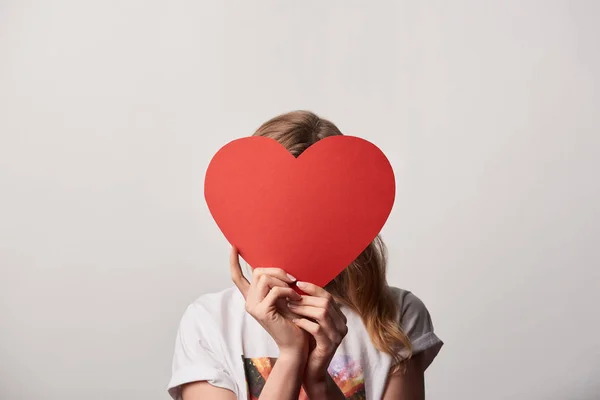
(311, 215)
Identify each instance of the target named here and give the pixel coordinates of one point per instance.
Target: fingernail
(291, 278)
(290, 305)
(301, 284)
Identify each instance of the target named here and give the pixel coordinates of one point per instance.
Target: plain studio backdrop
(111, 110)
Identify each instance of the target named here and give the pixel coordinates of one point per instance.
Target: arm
(407, 384)
(285, 379)
(325, 389)
(283, 383)
(270, 288)
(323, 319)
(204, 390)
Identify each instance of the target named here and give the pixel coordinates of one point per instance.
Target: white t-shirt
(219, 342)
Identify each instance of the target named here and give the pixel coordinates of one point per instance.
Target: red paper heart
(311, 215)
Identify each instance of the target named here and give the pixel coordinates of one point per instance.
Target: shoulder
(410, 306)
(199, 351)
(211, 311)
(227, 299)
(416, 322)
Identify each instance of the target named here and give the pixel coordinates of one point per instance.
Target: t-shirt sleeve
(195, 359)
(416, 323)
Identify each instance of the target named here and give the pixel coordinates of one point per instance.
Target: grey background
(110, 112)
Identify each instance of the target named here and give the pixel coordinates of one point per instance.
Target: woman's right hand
(266, 300)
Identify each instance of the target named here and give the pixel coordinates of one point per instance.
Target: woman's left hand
(326, 323)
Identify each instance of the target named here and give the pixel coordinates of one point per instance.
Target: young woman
(357, 338)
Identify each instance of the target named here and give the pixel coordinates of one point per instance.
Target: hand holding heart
(265, 299)
(323, 319)
(312, 323)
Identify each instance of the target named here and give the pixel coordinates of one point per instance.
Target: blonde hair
(362, 286)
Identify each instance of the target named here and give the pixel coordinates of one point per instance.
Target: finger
(274, 272)
(323, 302)
(311, 327)
(325, 339)
(264, 283)
(313, 301)
(332, 324)
(277, 293)
(236, 272)
(321, 315)
(313, 290)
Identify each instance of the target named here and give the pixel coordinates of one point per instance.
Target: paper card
(311, 215)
